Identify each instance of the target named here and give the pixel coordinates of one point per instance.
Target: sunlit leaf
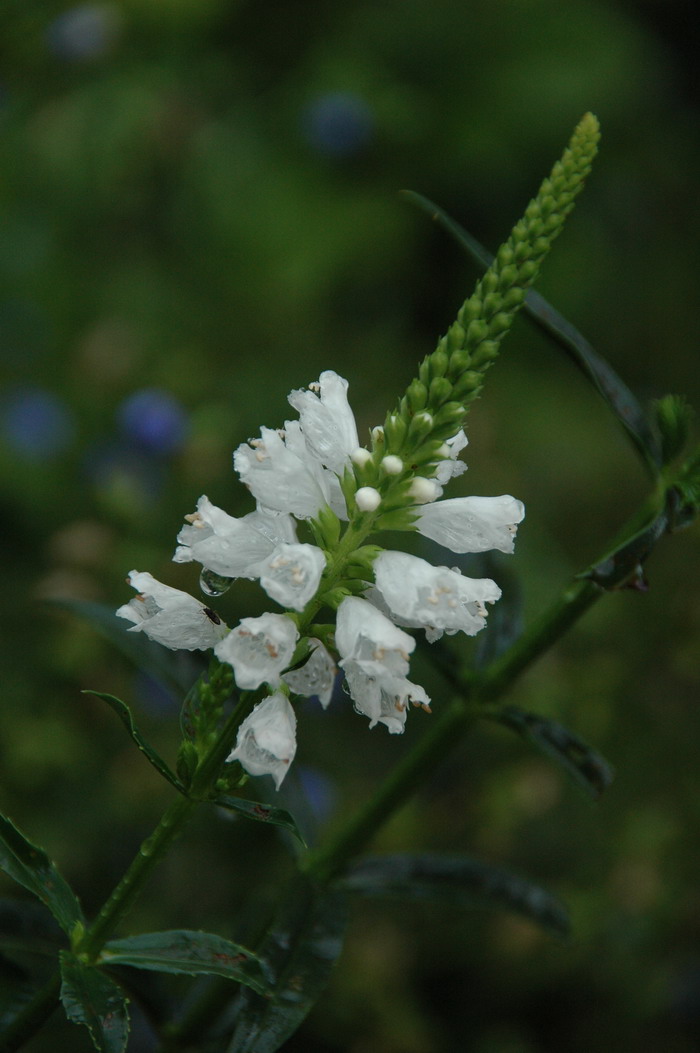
(456, 881)
(124, 714)
(91, 998)
(585, 764)
(613, 390)
(30, 867)
(260, 813)
(301, 948)
(190, 952)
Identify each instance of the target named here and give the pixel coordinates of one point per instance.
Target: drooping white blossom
(316, 677)
(229, 546)
(291, 574)
(281, 473)
(259, 649)
(171, 617)
(374, 657)
(472, 524)
(327, 421)
(266, 741)
(436, 599)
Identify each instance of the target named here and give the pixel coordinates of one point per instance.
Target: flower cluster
(310, 472)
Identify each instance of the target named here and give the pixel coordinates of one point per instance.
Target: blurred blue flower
(339, 124)
(153, 420)
(319, 792)
(36, 422)
(84, 32)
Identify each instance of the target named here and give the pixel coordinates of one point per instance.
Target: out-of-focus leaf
(31, 867)
(603, 377)
(145, 654)
(124, 714)
(585, 764)
(90, 998)
(457, 881)
(301, 948)
(505, 622)
(26, 926)
(260, 813)
(17, 988)
(190, 952)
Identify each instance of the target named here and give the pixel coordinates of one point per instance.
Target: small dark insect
(212, 616)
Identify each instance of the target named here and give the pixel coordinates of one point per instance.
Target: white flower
(291, 574)
(259, 649)
(472, 524)
(171, 617)
(280, 472)
(228, 546)
(374, 656)
(266, 741)
(316, 676)
(450, 467)
(436, 599)
(327, 421)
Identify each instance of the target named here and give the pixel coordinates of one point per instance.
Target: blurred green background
(199, 212)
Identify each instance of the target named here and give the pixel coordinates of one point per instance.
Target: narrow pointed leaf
(603, 377)
(260, 813)
(458, 881)
(190, 952)
(91, 998)
(301, 948)
(124, 714)
(578, 759)
(145, 654)
(30, 867)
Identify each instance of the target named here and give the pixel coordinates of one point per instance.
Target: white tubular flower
(327, 421)
(171, 617)
(228, 546)
(433, 598)
(450, 467)
(259, 649)
(266, 741)
(374, 657)
(316, 677)
(281, 474)
(291, 574)
(472, 524)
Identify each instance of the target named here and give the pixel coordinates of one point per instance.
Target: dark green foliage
(90, 998)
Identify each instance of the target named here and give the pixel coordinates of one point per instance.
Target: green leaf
(608, 384)
(578, 759)
(190, 952)
(30, 867)
(145, 654)
(124, 714)
(90, 998)
(622, 568)
(260, 813)
(301, 947)
(458, 881)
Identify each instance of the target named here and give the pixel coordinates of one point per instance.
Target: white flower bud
(424, 490)
(360, 457)
(392, 464)
(368, 499)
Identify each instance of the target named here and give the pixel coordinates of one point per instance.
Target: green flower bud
(439, 362)
(395, 432)
(417, 396)
(420, 427)
(440, 391)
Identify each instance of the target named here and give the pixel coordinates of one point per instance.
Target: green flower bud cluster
(452, 376)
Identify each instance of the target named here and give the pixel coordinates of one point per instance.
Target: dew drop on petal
(213, 584)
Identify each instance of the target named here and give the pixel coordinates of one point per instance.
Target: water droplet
(213, 584)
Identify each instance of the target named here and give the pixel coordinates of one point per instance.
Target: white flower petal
(291, 574)
(281, 474)
(435, 598)
(316, 677)
(451, 467)
(171, 617)
(266, 741)
(327, 421)
(472, 524)
(225, 545)
(259, 649)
